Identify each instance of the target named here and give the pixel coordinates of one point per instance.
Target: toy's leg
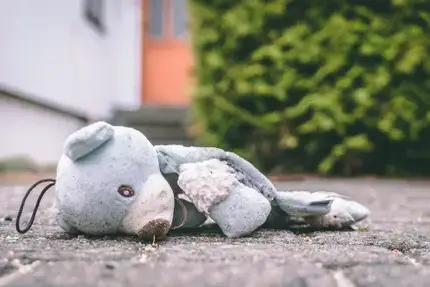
(213, 188)
(242, 212)
(342, 212)
(302, 203)
(291, 208)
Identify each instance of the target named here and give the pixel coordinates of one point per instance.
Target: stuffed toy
(113, 180)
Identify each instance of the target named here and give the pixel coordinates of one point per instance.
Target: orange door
(167, 54)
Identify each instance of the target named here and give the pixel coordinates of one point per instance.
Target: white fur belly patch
(206, 183)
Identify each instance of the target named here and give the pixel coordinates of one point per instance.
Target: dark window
(180, 18)
(156, 18)
(94, 13)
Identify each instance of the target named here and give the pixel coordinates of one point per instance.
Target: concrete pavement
(392, 248)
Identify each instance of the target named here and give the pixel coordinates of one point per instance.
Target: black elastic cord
(184, 214)
(33, 216)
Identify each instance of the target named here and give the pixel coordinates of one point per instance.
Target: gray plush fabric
(171, 157)
(343, 212)
(87, 196)
(301, 204)
(250, 176)
(214, 189)
(208, 176)
(244, 211)
(85, 140)
(99, 159)
(206, 183)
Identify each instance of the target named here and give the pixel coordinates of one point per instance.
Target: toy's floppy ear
(87, 139)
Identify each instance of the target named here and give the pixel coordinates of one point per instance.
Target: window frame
(161, 33)
(94, 12)
(173, 16)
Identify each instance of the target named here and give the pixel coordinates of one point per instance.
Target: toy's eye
(126, 191)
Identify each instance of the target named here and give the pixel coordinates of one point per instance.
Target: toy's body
(112, 180)
(220, 185)
(215, 175)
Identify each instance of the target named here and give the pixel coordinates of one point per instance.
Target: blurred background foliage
(335, 87)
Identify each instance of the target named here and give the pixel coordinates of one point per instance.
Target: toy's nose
(157, 228)
(151, 213)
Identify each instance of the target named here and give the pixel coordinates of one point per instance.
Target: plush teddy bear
(112, 180)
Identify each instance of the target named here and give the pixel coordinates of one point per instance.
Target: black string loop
(184, 214)
(39, 199)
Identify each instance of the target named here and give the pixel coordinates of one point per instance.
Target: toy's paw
(87, 139)
(342, 203)
(186, 215)
(251, 175)
(358, 211)
(343, 213)
(212, 186)
(302, 203)
(242, 212)
(206, 183)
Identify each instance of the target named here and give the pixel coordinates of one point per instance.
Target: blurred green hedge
(304, 86)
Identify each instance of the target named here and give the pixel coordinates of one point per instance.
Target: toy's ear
(87, 139)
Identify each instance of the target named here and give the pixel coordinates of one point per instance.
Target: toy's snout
(151, 214)
(157, 228)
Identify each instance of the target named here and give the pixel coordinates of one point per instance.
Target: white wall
(27, 130)
(50, 51)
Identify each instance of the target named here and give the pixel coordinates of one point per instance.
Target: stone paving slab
(392, 250)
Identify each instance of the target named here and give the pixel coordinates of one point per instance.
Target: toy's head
(109, 182)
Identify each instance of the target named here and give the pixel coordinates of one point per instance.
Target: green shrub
(327, 86)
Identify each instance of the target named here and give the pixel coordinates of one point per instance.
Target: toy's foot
(186, 215)
(213, 188)
(344, 213)
(357, 211)
(244, 210)
(302, 203)
(322, 209)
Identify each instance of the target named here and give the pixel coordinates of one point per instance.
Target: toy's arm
(171, 157)
(340, 212)
(251, 176)
(213, 188)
